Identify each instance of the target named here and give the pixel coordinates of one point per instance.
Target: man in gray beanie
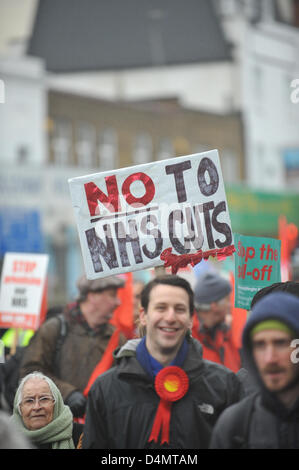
(68, 347)
(210, 326)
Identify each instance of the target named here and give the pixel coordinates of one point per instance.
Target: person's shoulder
(244, 403)
(48, 327)
(125, 363)
(207, 367)
(232, 427)
(222, 378)
(10, 435)
(50, 330)
(104, 380)
(237, 411)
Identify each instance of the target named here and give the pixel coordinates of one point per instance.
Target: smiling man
(273, 413)
(125, 407)
(167, 319)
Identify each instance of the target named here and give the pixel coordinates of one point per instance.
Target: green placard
(257, 265)
(257, 212)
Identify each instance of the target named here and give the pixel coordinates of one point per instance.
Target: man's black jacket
(122, 403)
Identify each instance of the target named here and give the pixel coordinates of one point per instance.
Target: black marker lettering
(153, 232)
(207, 189)
(123, 238)
(221, 227)
(97, 248)
(177, 170)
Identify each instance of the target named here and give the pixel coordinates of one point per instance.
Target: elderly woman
(40, 413)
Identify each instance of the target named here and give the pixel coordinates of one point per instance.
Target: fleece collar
(126, 358)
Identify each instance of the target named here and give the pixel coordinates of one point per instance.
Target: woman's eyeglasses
(29, 402)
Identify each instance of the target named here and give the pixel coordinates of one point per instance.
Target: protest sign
(139, 217)
(257, 265)
(23, 290)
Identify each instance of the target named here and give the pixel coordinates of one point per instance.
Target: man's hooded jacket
(261, 420)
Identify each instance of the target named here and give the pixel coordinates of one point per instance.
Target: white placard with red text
(127, 218)
(22, 290)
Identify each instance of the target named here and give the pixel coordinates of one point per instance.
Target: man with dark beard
(268, 419)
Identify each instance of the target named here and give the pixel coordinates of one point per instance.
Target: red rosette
(171, 385)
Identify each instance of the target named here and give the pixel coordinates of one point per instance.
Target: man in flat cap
(69, 347)
(213, 307)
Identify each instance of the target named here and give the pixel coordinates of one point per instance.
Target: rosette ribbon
(171, 384)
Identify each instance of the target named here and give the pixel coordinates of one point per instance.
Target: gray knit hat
(211, 287)
(85, 285)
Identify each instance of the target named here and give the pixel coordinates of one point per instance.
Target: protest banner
(257, 265)
(172, 211)
(23, 290)
(288, 235)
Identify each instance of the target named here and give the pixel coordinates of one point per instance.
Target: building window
(286, 93)
(108, 150)
(143, 149)
(251, 9)
(181, 146)
(61, 141)
(263, 172)
(226, 7)
(85, 144)
(286, 10)
(291, 167)
(230, 166)
(2, 92)
(23, 154)
(165, 149)
(56, 248)
(199, 148)
(257, 82)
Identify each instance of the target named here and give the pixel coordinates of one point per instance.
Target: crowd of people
(180, 380)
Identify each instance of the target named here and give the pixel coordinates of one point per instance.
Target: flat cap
(211, 287)
(85, 285)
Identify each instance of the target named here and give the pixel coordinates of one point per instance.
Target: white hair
(32, 375)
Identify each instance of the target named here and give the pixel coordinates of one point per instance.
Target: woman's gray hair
(33, 375)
